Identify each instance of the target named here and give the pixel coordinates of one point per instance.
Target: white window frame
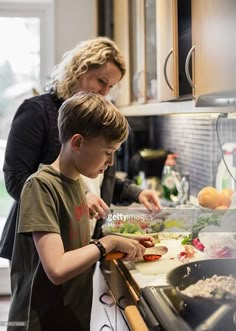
(44, 10)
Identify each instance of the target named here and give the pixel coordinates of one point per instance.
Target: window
(26, 59)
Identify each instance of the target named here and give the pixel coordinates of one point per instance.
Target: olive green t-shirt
(50, 202)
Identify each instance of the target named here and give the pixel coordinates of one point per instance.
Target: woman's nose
(104, 90)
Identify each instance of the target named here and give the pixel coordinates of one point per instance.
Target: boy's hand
(133, 249)
(97, 207)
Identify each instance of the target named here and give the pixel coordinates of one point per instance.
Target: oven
(125, 293)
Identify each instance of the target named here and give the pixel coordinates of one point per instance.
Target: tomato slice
(150, 257)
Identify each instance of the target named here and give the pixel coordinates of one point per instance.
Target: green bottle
(167, 179)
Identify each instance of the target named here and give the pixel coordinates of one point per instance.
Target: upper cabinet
(155, 36)
(214, 42)
(175, 49)
(173, 22)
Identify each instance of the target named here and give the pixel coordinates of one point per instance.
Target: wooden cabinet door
(121, 37)
(213, 34)
(173, 45)
(166, 53)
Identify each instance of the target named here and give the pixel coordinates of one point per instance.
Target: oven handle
(134, 319)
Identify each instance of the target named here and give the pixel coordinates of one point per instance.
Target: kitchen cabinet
(173, 44)
(213, 36)
(121, 13)
(166, 58)
(203, 29)
(155, 37)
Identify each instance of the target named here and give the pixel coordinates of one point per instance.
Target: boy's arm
(61, 266)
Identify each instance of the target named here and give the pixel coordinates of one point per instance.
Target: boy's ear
(76, 140)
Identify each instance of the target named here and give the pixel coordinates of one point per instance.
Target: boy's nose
(110, 160)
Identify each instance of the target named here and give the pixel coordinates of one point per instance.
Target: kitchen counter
(154, 273)
(127, 280)
(144, 285)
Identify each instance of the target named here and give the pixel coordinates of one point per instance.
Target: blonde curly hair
(87, 55)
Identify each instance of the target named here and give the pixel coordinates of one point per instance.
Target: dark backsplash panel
(193, 138)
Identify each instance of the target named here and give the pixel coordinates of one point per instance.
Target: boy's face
(94, 155)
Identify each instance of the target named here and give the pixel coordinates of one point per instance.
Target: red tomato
(151, 257)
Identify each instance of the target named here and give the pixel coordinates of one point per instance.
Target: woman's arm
(26, 137)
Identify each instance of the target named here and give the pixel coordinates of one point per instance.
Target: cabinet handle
(165, 69)
(187, 66)
(101, 299)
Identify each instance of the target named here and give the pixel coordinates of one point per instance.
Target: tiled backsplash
(194, 139)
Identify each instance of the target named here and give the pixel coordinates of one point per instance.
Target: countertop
(154, 273)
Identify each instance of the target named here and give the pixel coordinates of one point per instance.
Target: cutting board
(167, 261)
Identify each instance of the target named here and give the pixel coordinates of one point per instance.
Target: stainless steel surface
(123, 292)
(161, 307)
(217, 99)
(165, 69)
(188, 58)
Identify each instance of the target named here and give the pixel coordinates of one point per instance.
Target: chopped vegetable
(189, 249)
(150, 257)
(196, 243)
(203, 221)
(135, 227)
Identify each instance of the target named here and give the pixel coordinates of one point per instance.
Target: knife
(157, 250)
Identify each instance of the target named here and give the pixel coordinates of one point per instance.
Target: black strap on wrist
(100, 247)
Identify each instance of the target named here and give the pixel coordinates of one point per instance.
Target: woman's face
(99, 80)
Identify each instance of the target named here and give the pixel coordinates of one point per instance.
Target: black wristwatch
(100, 247)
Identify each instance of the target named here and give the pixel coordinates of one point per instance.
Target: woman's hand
(146, 240)
(150, 200)
(97, 207)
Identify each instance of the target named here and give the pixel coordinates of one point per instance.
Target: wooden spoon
(157, 250)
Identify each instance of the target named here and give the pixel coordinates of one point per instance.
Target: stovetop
(163, 309)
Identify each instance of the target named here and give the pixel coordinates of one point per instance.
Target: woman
(95, 65)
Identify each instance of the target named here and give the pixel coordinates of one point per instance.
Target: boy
(51, 274)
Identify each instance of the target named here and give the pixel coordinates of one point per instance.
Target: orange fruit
(221, 207)
(209, 197)
(225, 196)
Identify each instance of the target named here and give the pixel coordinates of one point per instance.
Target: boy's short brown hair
(91, 115)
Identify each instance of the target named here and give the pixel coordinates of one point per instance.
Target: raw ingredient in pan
(215, 287)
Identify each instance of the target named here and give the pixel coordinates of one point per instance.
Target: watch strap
(100, 247)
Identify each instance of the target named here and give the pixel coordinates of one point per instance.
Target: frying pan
(189, 273)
